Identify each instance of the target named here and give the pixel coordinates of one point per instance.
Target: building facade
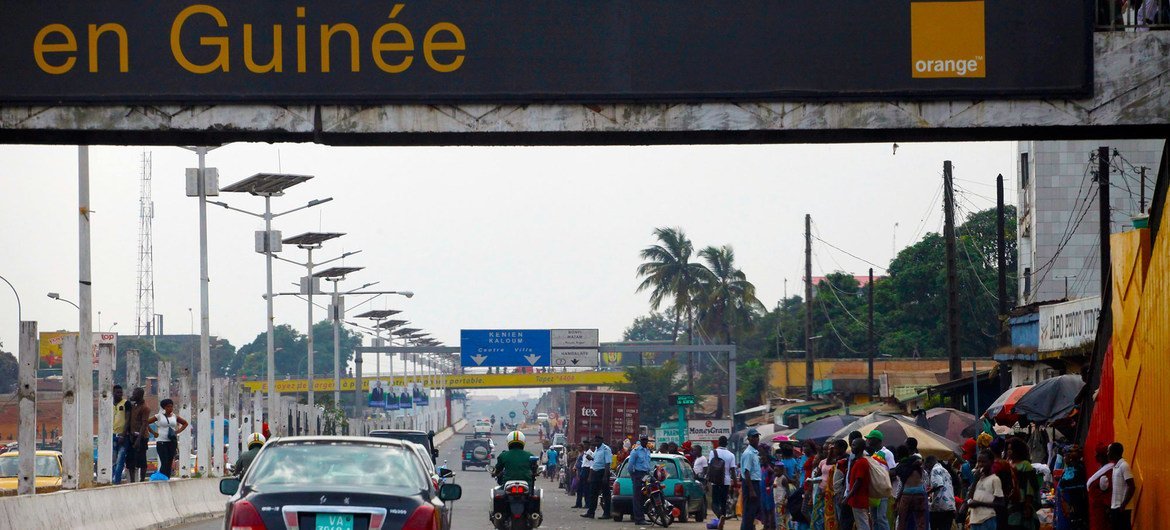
(1058, 219)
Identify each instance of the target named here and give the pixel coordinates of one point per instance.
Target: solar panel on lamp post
(336, 313)
(378, 316)
(310, 241)
(269, 185)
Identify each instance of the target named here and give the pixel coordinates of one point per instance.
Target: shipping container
(613, 415)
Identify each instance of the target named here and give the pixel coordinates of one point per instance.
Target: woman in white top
(168, 425)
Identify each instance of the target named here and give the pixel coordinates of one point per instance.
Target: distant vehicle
(681, 488)
(477, 452)
(559, 439)
(47, 466)
(424, 439)
(482, 428)
(541, 417)
(611, 415)
(340, 482)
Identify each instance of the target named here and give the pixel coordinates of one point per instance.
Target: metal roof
(266, 183)
(312, 238)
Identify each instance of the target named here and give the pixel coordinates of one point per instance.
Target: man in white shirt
(1123, 489)
(988, 495)
(719, 490)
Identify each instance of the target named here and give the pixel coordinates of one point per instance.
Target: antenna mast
(145, 308)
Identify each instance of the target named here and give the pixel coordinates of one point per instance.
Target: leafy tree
(9, 372)
(669, 273)
(654, 385)
(654, 326)
(726, 298)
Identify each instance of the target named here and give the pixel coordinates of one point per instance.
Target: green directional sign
(684, 399)
(512, 414)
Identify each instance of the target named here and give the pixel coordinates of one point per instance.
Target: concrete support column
(164, 381)
(233, 416)
(27, 393)
(217, 428)
(69, 365)
(133, 371)
(184, 406)
(105, 414)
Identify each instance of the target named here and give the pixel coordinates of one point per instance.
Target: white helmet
(255, 439)
(515, 437)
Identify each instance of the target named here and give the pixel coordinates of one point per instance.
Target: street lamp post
(269, 185)
(311, 241)
(57, 297)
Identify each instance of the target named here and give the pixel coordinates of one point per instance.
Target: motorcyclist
(255, 443)
(516, 463)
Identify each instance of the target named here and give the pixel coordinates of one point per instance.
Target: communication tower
(145, 309)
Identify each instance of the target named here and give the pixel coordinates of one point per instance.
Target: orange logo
(947, 39)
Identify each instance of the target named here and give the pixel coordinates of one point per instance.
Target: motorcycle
(515, 505)
(656, 508)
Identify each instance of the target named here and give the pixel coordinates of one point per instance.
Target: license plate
(335, 521)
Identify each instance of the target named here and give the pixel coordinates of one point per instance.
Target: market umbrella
(1051, 399)
(843, 432)
(895, 430)
(784, 438)
(954, 425)
(820, 430)
(1002, 410)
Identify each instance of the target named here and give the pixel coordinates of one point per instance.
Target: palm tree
(669, 273)
(728, 297)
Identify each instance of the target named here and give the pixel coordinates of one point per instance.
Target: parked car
(47, 466)
(681, 488)
(477, 452)
(337, 482)
(425, 439)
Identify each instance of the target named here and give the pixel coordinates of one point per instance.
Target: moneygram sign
(708, 429)
(451, 51)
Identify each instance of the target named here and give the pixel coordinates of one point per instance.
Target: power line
(835, 333)
(839, 302)
(926, 215)
(850, 254)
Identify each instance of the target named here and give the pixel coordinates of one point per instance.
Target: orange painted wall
(1141, 366)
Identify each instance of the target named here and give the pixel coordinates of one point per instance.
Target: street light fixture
(269, 185)
(337, 312)
(57, 297)
(311, 241)
(111, 327)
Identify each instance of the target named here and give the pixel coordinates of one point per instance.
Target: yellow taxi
(48, 467)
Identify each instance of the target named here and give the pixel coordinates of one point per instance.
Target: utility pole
(1142, 201)
(1103, 203)
(1001, 262)
(808, 353)
(872, 346)
(956, 368)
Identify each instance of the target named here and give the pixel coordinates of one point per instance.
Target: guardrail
(125, 507)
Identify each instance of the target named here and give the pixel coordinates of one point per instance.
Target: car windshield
(46, 466)
(667, 463)
(391, 469)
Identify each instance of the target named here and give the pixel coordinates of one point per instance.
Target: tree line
(709, 300)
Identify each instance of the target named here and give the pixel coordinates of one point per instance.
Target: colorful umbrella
(820, 430)
(843, 432)
(895, 431)
(784, 438)
(1051, 399)
(1002, 410)
(954, 425)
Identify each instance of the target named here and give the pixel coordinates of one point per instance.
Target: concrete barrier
(144, 505)
(446, 434)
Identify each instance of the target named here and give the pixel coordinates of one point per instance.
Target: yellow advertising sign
(454, 381)
(948, 39)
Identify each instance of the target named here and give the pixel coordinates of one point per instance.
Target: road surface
(471, 512)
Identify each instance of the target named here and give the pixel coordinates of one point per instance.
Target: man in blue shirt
(749, 466)
(599, 479)
(639, 462)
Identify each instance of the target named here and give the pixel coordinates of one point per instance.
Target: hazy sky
(522, 237)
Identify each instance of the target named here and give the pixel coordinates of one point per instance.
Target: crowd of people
(858, 483)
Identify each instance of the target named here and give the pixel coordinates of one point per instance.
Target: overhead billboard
(351, 51)
(51, 341)
(504, 347)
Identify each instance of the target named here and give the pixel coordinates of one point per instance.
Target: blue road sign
(505, 347)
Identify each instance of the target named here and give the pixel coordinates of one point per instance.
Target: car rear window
(44, 466)
(390, 469)
(667, 463)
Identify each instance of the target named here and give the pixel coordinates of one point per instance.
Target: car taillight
(425, 517)
(245, 517)
(678, 490)
(617, 488)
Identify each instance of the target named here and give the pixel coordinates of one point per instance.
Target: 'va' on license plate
(335, 521)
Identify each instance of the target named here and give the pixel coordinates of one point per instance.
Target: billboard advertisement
(1069, 324)
(708, 430)
(51, 341)
(444, 51)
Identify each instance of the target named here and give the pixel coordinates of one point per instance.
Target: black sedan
(336, 483)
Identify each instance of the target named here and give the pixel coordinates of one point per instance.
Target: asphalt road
(471, 512)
